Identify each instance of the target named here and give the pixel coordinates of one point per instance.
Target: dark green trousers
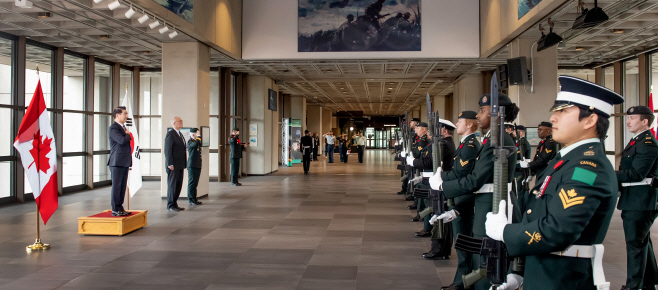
(235, 169)
(522, 196)
(192, 182)
(641, 269)
(463, 224)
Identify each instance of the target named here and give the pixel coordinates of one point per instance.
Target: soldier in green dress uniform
(637, 202)
(461, 214)
(412, 126)
(546, 150)
(418, 148)
(522, 147)
(479, 182)
(571, 205)
(194, 163)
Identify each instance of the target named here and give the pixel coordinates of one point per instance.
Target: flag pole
(38, 245)
(128, 181)
(128, 194)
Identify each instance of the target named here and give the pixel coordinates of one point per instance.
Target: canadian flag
(135, 174)
(36, 145)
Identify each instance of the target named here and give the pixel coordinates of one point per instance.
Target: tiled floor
(341, 227)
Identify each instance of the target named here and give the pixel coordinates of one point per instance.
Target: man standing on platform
(175, 150)
(638, 199)
(306, 147)
(193, 166)
(120, 159)
(329, 137)
(236, 153)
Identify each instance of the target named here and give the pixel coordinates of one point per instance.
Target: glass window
(6, 139)
(73, 170)
(150, 126)
(6, 51)
(74, 85)
(43, 58)
(126, 85)
(150, 90)
(653, 103)
(214, 93)
(609, 82)
(5, 179)
(102, 124)
(102, 88)
(631, 90)
(101, 170)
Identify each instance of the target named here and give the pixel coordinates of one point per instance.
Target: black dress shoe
(415, 219)
(196, 202)
(422, 234)
(174, 209)
(453, 287)
(402, 192)
(434, 256)
(412, 207)
(180, 208)
(120, 213)
(409, 198)
(238, 184)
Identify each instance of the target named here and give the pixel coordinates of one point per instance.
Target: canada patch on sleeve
(584, 176)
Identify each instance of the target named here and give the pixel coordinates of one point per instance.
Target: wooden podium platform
(107, 225)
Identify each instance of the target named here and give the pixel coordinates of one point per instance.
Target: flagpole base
(37, 246)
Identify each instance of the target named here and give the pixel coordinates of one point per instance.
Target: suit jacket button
(535, 192)
(529, 211)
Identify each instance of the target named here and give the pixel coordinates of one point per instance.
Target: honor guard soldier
(422, 142)
(479, 182)
(546, 150)
(306, 148)
(412, 128)
(571, 205)
(461, 214)
(194, 163)
(522, 154)
(236, 153)
(638, 199)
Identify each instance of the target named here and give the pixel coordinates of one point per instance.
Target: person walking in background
(236, 153)
(344, 144)
(329, 137)
(361, 146)
(341, 147)
(316, 146)
(193, 166)
(176, 161)
(305, 147)
(120, 159)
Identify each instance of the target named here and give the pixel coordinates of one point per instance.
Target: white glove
(416, 180)
(495, 224)
(403, 153)
(448, 216)
(434, 220)
(436, 181)
(513, 282)
(410, 160)
(523, 163)
(527, 180)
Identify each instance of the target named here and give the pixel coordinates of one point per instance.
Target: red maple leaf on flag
(39, 151)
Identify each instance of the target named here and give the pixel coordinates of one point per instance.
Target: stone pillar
(263, 157)
(535, 106)
(186, 94)
(314, 119)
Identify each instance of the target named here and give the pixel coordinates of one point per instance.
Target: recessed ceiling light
(105, 36)
(580, 48)
(618, 31)
(43, 14)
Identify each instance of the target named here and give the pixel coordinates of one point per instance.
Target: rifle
(495, 265)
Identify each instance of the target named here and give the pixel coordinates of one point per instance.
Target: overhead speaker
(518, 71)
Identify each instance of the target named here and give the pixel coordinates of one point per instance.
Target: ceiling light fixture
(164, 29)
(104, 36)
(143, 18)
(114, 5)
(173, 34)
(130, 12)
(590, 18)
(98, 1)
(617, 31)
(580, 48)
(43, 14)
(548, 40)
(154, 24)
(23, 3)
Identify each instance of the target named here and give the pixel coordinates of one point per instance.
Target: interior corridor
(340, 227)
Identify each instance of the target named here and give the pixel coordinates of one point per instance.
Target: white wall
(450, 30)
(263, 158)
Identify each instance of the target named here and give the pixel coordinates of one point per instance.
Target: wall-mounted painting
(526, 5)
(359, 25)
(182, 8)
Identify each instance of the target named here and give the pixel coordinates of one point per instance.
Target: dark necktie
(181, 136)
(124, 128)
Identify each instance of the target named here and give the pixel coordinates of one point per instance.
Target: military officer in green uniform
(522, 154)
(193, 166)
(571, 205)
(461, 214)
(414, 137)
(638, 198)
(546, 150)
(235, 155)
(418, 148)
(479, 182)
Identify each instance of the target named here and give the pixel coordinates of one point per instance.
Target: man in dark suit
(176, 161)
(236, 153)
(193, 166)
(120, 159)
(306, 147)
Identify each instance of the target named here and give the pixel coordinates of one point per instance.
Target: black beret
(503, 100)
(236, 129)
(579, 92)
(469, 115)
(194, 130)
(415, 120)
(639, 110)
(422, 124)
(545, 124)
(520, 128)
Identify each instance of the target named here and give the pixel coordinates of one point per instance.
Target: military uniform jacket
(236, 147)
(421, 142)
(638, 161)
(522, 143)
(194, 153)
(464, 159)
(578, 200)
(306, 141)
(481, 174)
(545, 153)
(425, 161)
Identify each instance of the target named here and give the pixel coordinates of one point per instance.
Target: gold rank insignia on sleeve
(569, 198)
(548, 151)
(534, 237)
(589, 153)
(420, 148)
(463, 163)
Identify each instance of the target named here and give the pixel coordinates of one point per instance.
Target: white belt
(428, 174)
(646, 181)
(307, 146)
(593, 252)
(489, 187)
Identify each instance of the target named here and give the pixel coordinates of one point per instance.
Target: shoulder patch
(589, 153)
(590, 163)
(548, 151)
(584, 176)
(570, 198)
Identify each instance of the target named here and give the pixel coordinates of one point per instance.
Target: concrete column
(314, 118)
(186, 93)
(535, 106)
(327, 124)
(261, 159)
